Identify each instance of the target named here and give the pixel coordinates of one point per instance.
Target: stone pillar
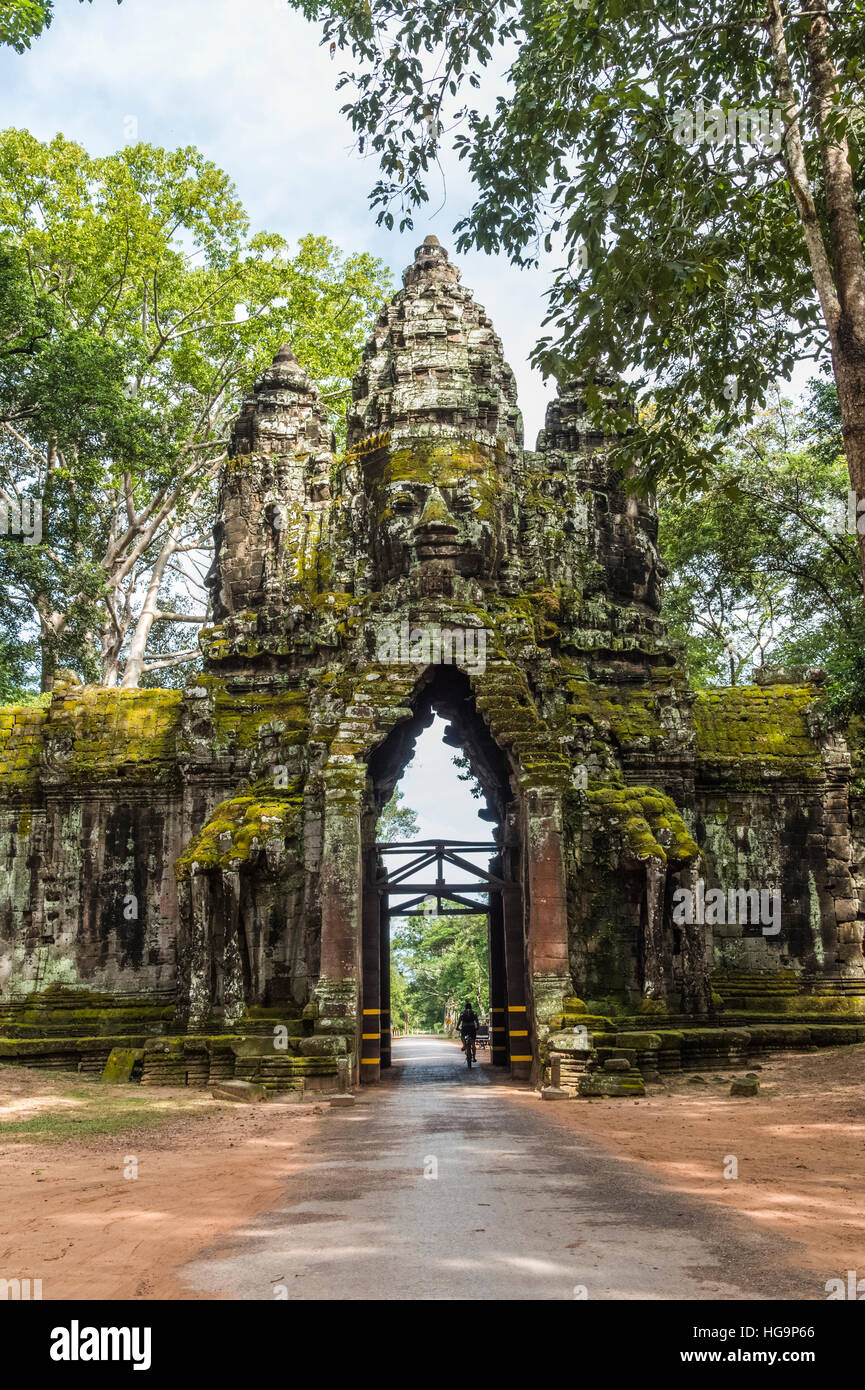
(696, 953)
(841, 893)
(654, 983)
(338, 990)
(232, 960)
(196, 904)
(547, 933)
(370, 1035)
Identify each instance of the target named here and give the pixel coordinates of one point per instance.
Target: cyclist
(467, 1023)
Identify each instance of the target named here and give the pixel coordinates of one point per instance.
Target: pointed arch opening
(395, 884)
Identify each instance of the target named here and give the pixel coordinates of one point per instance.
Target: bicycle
(468, 1049)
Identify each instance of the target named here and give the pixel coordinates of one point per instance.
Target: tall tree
(135, 309)
(22, 21)
(763, 560)
(397, 821)
(443, 960)
(694, 165)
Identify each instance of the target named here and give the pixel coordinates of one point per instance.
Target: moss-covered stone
(121, 1064)
(612, 783)
(646, 821)
(238, 829)
(753, 734)
(611, 1085)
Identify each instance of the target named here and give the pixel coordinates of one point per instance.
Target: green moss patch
(101, 733)
(631, 714)
(751, 733)
(239, 719)
(646, 822)
(21, 742)
(238, 829)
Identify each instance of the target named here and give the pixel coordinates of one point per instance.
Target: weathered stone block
(325, 1045)
(617, 1064)
(640, 1041)
(120, 1064)
(846, 909)
(248, 1092)
(600, 1083)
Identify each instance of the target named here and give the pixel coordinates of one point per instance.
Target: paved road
(441, 1184)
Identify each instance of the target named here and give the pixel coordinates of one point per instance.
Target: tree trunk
(51, 626)
(110, 645)
(141, 636)
(839, 274)
(848, 260)
(48, 667)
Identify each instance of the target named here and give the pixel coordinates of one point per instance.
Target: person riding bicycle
(467, 1023)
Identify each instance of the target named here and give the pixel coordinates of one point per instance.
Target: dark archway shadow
(447, 692)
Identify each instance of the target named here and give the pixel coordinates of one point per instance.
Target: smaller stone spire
(431, 265)
(283, 428)
(282, 413)
(568, 425)
(285, 354)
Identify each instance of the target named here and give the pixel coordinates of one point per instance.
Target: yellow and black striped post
(370, 1045)
(499, 1045)
(384, 939)
(519, 1041)
(519, 1037)
(370, 1033)
(499, 1052)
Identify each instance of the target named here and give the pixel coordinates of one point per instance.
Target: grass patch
(92, 1119)
(56, 1124)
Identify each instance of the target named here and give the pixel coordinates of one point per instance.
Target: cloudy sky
(247, 82)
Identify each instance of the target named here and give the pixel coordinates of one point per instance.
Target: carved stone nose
(435, 515)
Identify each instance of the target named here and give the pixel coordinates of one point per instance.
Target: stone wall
(91, 821)
(216, 844)
(774, 809)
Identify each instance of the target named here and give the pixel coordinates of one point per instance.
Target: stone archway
(392, 877)
(527, 912)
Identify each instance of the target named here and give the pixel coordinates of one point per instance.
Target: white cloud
(432, 788)
(249, 84)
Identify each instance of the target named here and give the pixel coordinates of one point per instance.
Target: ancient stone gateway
(205, 862)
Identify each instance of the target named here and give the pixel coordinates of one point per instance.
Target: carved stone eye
(463, 502)
(403, 503)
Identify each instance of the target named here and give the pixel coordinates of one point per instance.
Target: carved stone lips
(436, 542)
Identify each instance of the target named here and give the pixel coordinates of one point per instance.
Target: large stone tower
(436, 566)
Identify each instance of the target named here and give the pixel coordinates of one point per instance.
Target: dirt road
(437, 1184)
(446, 1184)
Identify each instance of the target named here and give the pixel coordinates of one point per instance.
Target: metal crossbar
(422, 855)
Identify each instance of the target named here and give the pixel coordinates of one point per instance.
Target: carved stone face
(636, 570)
(440, 510)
